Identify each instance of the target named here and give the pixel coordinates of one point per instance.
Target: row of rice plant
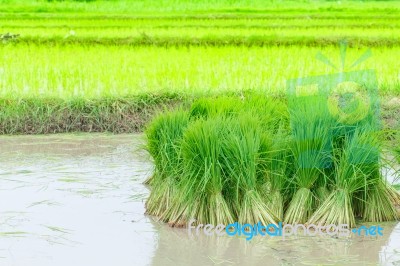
(126, 8)
(45, 26)
(254, 159)
(67, 71)
(257, 24)
(255, 35)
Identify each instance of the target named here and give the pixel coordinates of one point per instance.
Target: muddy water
(79, 200)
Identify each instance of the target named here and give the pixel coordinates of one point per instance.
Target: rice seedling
(243, 162)
(358, 183)
(164, 136)
(379, 203)
(204, 180)
(271, 116)
(274, 171)
(311, 126)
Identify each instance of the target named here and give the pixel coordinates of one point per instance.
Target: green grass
(55, 115)
(97, 71)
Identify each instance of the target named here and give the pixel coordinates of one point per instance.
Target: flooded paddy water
(79, 200)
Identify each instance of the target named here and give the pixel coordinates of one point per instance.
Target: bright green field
(365, 24)
(102, 50)
(95, 71)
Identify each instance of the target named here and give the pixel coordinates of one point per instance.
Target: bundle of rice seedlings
(311, 127)
(336, 209)
(242, 162)
(163, 143)
(378, 205)
(239, 159)
(378, 199)
(203, 181)
(274, 170)
(273, 119)
(357, 171)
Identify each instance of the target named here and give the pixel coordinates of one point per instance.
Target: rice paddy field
(227, 131)
(68, 71)
(56, 53)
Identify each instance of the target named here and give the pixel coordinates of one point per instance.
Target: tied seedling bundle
(253, 159)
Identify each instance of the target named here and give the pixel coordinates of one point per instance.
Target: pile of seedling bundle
(261, 159)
